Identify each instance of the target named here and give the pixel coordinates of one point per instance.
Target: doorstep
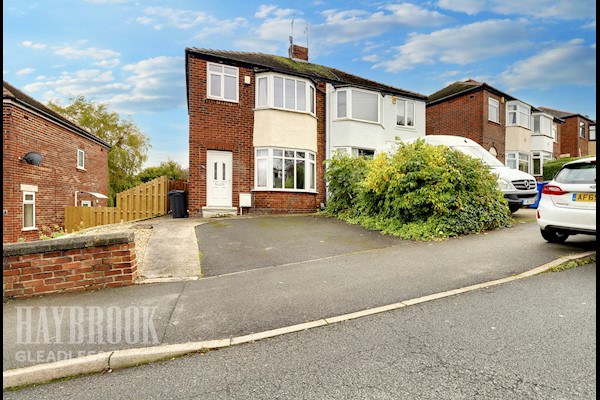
(215, 212)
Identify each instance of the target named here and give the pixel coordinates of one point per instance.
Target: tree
(170, 169)
(129, 144)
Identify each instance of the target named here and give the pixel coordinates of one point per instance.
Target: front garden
(420, 192)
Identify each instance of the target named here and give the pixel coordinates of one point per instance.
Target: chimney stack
(298, 53)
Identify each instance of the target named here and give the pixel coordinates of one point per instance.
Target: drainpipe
(329, 90)
(76, 197)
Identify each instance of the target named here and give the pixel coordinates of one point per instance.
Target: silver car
(568, 202)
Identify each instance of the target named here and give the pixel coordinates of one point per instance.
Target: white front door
(218, 178)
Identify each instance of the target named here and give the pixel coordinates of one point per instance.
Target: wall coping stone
(66, 243)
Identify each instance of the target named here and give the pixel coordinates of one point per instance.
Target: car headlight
(504, 184)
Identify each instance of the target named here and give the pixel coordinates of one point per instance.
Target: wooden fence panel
(77, 218)
(143, 201)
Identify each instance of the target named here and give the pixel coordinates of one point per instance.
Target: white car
(568, 202)
(519, 188)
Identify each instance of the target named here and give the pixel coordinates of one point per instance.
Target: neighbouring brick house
(576, 131)
(261, 127)
(519, 135)
(73, 168)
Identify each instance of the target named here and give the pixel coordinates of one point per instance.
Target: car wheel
(553, 236)
(514, 208)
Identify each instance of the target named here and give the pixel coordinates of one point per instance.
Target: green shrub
(344, 176)
(422, 192)
(552, 167)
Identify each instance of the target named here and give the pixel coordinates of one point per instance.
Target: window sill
(81, 169)
(285, 190)
(29, 229)
(285, 110)
(218, 101)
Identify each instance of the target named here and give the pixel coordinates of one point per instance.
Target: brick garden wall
(57, 178)
(68, 264)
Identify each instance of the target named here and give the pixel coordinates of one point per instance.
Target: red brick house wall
(57, 178)
(570, 141)
(226, 126)
(467, 115)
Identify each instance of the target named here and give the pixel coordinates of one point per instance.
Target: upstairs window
(358, 104)
(405, 113)
(593, 132)
(80, 159)
(582, 130)
(518, 114)
(542, 125)
(287, 93)
(222, 82)
(493, 110)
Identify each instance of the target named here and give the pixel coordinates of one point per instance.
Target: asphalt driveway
(241, 244)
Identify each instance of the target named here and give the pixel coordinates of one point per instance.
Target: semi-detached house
(261, 127)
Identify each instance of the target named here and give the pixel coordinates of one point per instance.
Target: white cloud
(155, 84)
(336, 26)
(463, 45)
(265, 11)
(558, 9)
(90, 52)
(91, 83)
(161, 17)
(108, 63)
(569, 63)
(35, 46)
(25, 71)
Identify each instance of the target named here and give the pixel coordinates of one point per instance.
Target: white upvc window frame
(493, 110)
(226, 74)
(264, 162)
(80, 159)
(347, 111)
(86, 203)
(538, 158)
(29, 201)
(406, 106)
(582, 130)
(592, 133)
(518, 114)
(518, 160)
(545, 125)
(303, 99)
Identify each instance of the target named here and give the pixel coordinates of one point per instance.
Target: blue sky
(130, 54)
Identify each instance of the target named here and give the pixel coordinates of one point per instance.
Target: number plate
(587, 197)
(527, 202)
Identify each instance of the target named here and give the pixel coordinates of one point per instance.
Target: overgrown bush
(422, 192)
(552, 167)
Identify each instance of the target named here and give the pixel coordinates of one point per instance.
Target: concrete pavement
(155, 321)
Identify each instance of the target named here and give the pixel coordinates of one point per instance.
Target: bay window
(285, 169)
(517, 160)
(518, 114)
(358, 104)
(542, 125)
(274, 91)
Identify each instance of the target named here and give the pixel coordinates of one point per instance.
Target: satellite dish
(33, 158)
